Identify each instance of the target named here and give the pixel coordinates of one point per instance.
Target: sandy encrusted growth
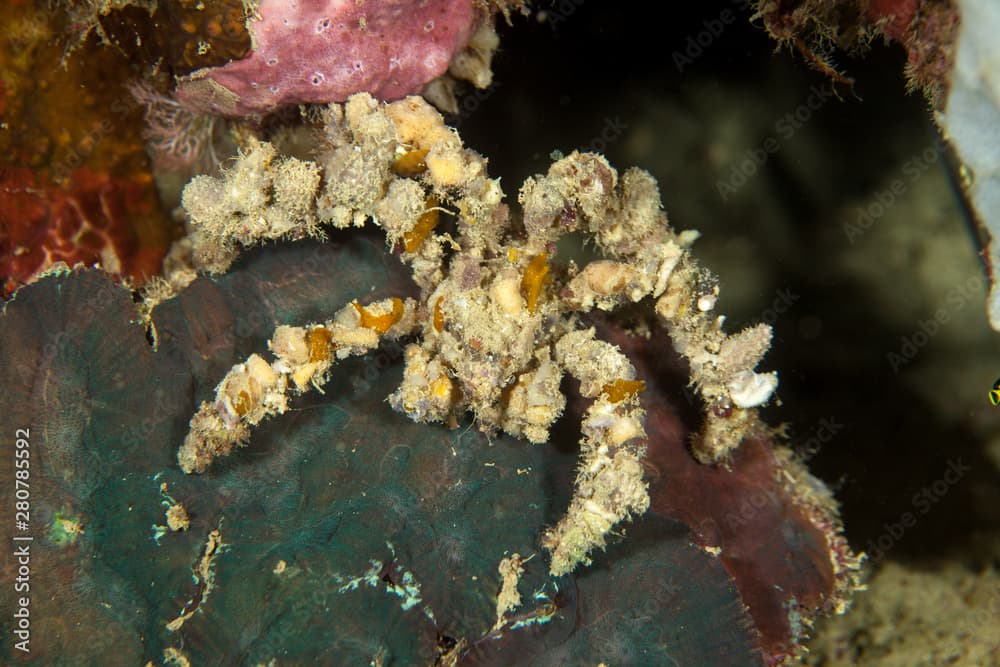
(511, 568)
(497, 320)
(262, 196)
(912, 617)
(204, 576)
(256, 389)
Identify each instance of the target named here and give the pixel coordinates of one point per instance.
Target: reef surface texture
(471, 433)
(75, 182)
(348, 533)
(324, 51)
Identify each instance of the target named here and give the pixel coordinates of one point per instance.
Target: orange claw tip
(620, 390)
(410, 163)
(438, 315)
(534, 277)
(426, 223)
(380, 323)
(319, 343)
(242, 403)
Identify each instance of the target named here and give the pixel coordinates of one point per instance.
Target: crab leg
(609, 484)
(255, 389)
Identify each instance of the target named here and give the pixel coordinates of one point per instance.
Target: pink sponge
(322, 51)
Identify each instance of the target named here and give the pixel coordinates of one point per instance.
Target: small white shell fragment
(666, 268)
(290, 344)
(507, 295)
(749, 389)
(261, 371)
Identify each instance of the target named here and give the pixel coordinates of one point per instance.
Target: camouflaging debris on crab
(497, 321)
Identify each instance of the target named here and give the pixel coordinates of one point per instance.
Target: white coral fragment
(751, 390)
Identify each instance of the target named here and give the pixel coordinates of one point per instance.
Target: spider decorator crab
(498, 321)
